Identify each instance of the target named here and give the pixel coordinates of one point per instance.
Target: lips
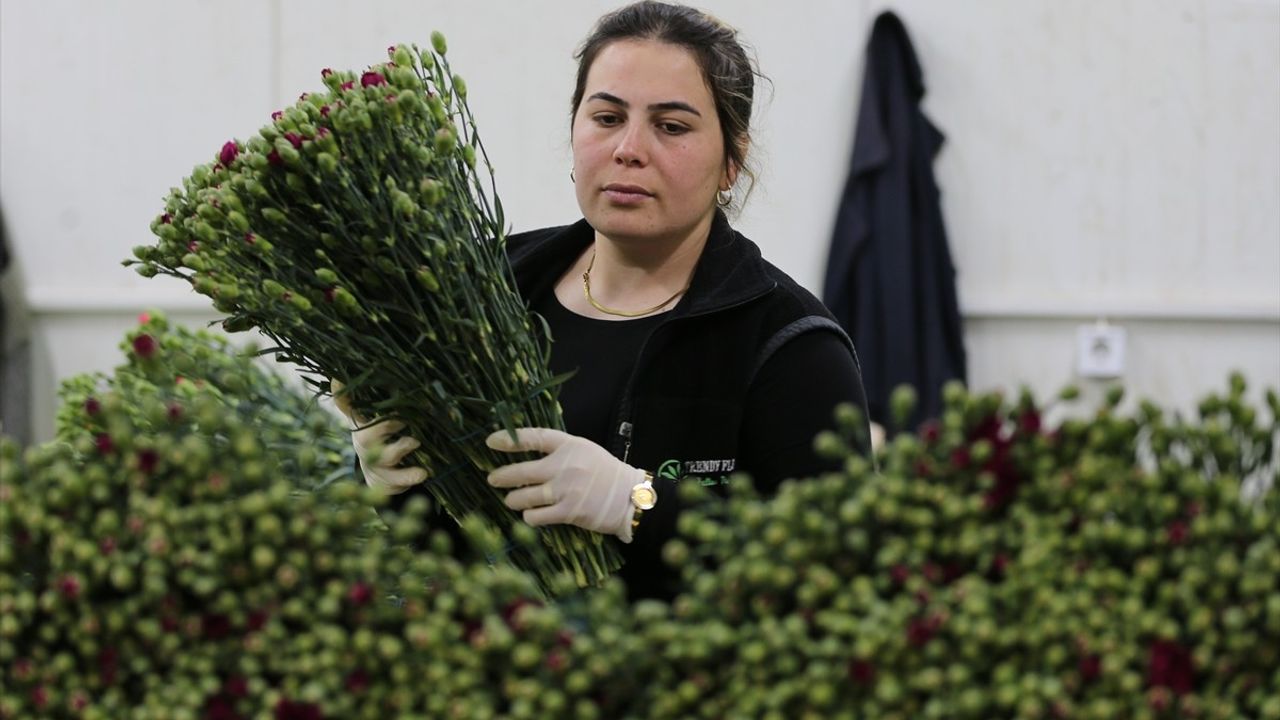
(621, 195)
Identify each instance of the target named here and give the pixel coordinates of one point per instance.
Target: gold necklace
(586, 290)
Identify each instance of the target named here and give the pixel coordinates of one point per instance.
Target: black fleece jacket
(682, 414)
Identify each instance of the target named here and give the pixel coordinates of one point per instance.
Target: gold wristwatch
(643, 497)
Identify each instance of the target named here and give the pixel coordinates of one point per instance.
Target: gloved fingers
(397, 480)
(342, 401)
(530, 472)
(531, 496)
(379, 430)
(549, 515)
(393, 453)
(541, 439)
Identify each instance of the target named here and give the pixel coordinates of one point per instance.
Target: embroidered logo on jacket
(706, 472)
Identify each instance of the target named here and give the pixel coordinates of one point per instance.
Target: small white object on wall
(1100, 350)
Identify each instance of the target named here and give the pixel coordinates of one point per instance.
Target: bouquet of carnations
(355, 232)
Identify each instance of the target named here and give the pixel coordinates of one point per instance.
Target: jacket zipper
(625, 427)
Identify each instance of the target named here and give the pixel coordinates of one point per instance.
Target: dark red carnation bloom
(219, 707)
(69, 587)
(930, 431)
(229, 152)
(357, 681)
(291, 710)
(108, 545)
(359, 594)
(1090, 667)
(193, 246)
(145, 346)
(512, 610)
(951, 572)
(556, 660)
(104, 444)
(166, 218)
(39, 696)
(330, 294)
(1029, 422)
(998, 565)
(564, 638)
(274, 158)
(79, 701)
(900, 573)
(1169, 665)
(174, 411)
(108, 665)
(215, 626)
(1177, 532)
(236, 686)
(92, 407)
(147, 460)
(294, 139)
(372, 78)
(921, 630)
(324, 112)
(348, 85)
(256, 620)
(326, 72)
(277, 115)
(862, 672)
(960, 458)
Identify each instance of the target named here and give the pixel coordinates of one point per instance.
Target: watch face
(644, 497)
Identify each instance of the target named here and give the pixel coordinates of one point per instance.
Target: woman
(695, 358)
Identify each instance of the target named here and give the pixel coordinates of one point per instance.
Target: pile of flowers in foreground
(1123, 565)
(356, 232)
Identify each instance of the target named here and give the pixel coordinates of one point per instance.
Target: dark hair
(728, 71)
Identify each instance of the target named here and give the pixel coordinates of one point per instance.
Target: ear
(731, 168)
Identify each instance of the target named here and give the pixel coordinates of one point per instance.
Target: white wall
(1115, 158)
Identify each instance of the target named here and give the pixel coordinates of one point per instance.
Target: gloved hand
(378, 459)
(577, 482)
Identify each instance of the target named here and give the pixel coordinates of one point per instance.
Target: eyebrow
(668, 105)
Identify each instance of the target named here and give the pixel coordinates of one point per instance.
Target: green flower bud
(300, 302)
(459, 87)
(431, 190)
(205, 231)
(428, 279)
(274, 216)
(238, 221)
(327, 276)
(445, 141)
(469, 155)
(438, 42)
(193, 261)
(327, 162)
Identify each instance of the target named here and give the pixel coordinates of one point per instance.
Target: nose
(631, 147)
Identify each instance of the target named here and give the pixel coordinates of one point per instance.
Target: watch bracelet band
(637, 512)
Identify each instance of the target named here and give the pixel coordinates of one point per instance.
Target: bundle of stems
(355, 232)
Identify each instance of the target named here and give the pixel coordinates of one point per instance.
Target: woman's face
(648, 155)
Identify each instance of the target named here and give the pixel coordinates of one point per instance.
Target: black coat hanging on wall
(890, 281)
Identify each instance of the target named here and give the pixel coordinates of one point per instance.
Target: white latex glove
(378, 459)
(577, 482)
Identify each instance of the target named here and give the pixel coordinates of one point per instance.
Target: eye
(672, 128)
(606, 119)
